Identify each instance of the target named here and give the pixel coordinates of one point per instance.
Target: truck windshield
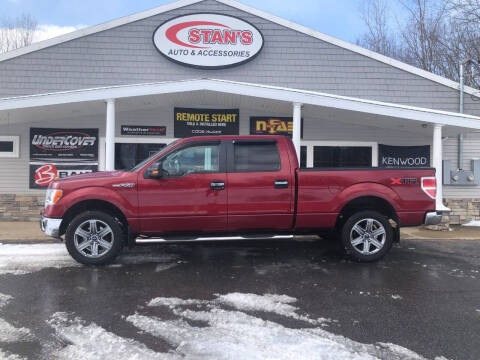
(140, 165)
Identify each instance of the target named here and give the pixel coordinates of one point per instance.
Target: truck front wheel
(94, 238)
(367, 236)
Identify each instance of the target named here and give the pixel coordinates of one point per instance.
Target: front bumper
(433, 218)
(51, 226)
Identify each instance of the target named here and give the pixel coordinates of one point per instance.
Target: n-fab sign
(208, 41)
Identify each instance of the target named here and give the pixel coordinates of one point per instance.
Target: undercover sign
(208, 40)
(57, 153)
(403, 156)
(205, 122)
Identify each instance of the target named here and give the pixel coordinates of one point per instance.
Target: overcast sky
(339, 18)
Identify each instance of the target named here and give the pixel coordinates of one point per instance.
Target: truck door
(260, 186)
(191, 196)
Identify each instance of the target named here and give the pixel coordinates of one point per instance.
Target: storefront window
(127, 155)
(342, 156)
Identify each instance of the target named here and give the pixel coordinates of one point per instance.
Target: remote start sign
(208, 41)
(58, 153)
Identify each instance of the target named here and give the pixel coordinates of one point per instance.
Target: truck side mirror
(155, 171)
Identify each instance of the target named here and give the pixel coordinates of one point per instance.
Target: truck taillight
(429, 186)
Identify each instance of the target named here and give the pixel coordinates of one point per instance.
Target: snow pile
(23, 259)
(4, 299)
(173, 302)
(473, 223)
(9, 333)
(278, 304)
(238, 334)
(93, 342)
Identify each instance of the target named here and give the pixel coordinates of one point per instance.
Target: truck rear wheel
(94, 238)
(367, 236)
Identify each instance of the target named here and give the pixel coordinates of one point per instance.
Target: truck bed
(322, 193)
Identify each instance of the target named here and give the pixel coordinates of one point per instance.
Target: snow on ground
(238, 334)
(19, 259)
(8, 356)
(173, 302)
(4, 300)
(223, 328)
(9, 333)
(93, 342)
(473, 223)
(278, 304)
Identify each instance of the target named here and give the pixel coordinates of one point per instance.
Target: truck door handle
(217, 185)
(281, 184)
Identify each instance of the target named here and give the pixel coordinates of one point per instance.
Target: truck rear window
(256, 157)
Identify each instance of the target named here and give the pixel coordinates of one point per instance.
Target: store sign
(264, 125)
(204, 122)
(403, 156)
(57, 153)
(208, 41)
(143, 130)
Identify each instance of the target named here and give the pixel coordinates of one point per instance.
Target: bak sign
(208, 41)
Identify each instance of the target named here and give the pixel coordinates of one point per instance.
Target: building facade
(217, 66)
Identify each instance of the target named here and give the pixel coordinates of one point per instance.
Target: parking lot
(242, 300)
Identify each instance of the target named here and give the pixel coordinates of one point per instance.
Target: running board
(155, 240)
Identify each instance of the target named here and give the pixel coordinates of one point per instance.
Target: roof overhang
(246, 89)
(248, 9)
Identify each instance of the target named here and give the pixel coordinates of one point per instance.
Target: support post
(297, 128)
(437, 164)
(110, 136)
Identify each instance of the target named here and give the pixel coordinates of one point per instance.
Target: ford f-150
(234, 186)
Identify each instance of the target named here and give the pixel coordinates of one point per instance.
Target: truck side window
(193, 160)
(256, 157)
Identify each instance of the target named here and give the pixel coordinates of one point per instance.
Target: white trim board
(270, 17)
(247, 89)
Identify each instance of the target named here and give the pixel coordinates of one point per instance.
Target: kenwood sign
(208, 41)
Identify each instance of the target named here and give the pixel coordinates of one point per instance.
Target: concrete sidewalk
(30, 231)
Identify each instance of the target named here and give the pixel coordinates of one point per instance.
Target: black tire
(116, 239)
(362, 218)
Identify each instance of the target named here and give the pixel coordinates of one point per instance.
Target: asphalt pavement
(242, 299)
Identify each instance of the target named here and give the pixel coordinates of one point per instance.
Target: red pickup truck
(236, 186)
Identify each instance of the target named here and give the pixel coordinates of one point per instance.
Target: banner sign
(264, 125)
(204, 122)
(143, 130)
(208, 41)
(57, 153)
(403, 156)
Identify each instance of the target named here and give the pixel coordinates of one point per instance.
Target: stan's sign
(208, 41)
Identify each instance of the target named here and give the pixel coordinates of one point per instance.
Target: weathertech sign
(58, 153)
(208, 40)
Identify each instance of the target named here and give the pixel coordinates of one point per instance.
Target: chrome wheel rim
(93, 238)
(368, 236)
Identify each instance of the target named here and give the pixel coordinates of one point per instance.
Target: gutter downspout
(461, 110)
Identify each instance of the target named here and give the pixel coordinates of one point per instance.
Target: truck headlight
(52, 196)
